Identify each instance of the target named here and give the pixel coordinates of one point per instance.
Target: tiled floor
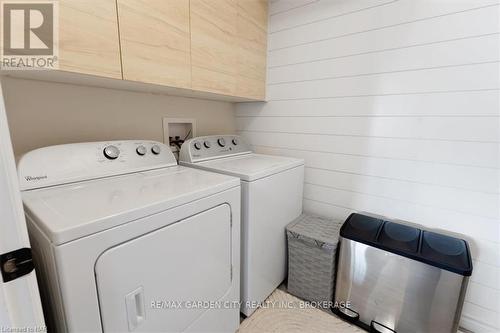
(287, 316)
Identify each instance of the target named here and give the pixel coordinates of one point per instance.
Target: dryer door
(150, 283)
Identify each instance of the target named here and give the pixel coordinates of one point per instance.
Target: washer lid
(251, 167)
(71, 211)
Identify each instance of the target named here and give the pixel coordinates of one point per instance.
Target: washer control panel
(62, 164)
(210, 147)
(115, 150)
(111, 152)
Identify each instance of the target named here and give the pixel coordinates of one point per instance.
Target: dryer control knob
(221, 142)
(111, 152)
(207, 144)
(141, 150)
(156, 149)
(197, 145)
(235, 141)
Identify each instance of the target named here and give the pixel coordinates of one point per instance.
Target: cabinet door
(252, 48)
(214, 48)
(88, 37)
(155, 41)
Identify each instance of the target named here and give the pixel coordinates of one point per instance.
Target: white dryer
(271, 196)
(124, 239)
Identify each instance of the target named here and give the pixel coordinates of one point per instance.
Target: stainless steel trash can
(397, 278)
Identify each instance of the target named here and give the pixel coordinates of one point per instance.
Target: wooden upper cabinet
(88, 37)
(214, 48)
(252, 48)
(155, 41)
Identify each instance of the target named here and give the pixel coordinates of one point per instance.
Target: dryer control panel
(62, 164)
(210, 147)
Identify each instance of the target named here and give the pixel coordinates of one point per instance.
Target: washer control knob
(221, 142)
(197, 145)
(235, 141)
(111, 152)
(156, 149)
(207, 144)
(141, 150)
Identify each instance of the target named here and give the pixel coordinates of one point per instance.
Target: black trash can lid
(448, 253)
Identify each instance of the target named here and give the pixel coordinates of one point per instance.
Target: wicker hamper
(312, 245)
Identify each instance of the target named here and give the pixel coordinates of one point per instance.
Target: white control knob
(235, 141)
(221, 142)
(111, 152)
(141, 150)
(207, 144)
(155, 149)
(197, 145)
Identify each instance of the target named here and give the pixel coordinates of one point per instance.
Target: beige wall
(46, 113)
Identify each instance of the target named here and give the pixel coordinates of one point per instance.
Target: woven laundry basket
(312, 245)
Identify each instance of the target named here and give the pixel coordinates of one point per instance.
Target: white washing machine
(125, 240)
(271, 196)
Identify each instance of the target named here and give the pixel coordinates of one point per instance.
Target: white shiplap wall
(394, 105)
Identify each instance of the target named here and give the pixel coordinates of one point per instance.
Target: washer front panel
(75, 262)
